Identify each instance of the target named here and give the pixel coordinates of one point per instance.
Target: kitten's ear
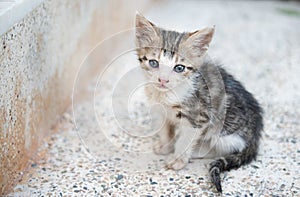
(201, 39)
(145, 32)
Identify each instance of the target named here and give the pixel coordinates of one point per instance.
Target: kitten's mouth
(161, 87)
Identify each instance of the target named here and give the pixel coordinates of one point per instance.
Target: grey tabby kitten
(208, 113)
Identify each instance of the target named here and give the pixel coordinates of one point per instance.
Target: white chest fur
(165, 103)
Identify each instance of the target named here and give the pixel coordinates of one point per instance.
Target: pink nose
(163, 81)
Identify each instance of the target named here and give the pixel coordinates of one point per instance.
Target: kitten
(208, 113)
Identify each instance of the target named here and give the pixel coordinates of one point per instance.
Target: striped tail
(228, 162)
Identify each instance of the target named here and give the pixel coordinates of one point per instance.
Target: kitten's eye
(153, 63)
(179, 68)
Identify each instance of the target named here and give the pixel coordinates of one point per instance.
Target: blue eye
(153, 63)
(179, 68)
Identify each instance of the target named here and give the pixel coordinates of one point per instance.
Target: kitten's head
(170, 57)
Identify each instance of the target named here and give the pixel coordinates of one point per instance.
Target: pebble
(33, 165)
(152, 182)
(119, 177)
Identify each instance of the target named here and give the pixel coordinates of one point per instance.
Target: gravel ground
(106, 150)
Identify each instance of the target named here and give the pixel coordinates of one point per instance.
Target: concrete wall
(39, 57)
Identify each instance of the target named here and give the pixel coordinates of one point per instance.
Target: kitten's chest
(167, 105)
(169, 98)
(173, 113)
(166, 113)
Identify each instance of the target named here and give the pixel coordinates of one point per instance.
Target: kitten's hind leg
(165, 144)
(203, 150)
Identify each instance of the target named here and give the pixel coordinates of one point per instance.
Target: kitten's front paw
(177, 162)
(162, 149)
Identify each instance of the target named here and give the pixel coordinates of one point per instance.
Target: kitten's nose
(163, 81)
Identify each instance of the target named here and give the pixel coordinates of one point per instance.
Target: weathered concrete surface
(39, 59)
(258, 42)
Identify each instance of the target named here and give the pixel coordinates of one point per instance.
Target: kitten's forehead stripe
(170, 42)
(179, 40)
